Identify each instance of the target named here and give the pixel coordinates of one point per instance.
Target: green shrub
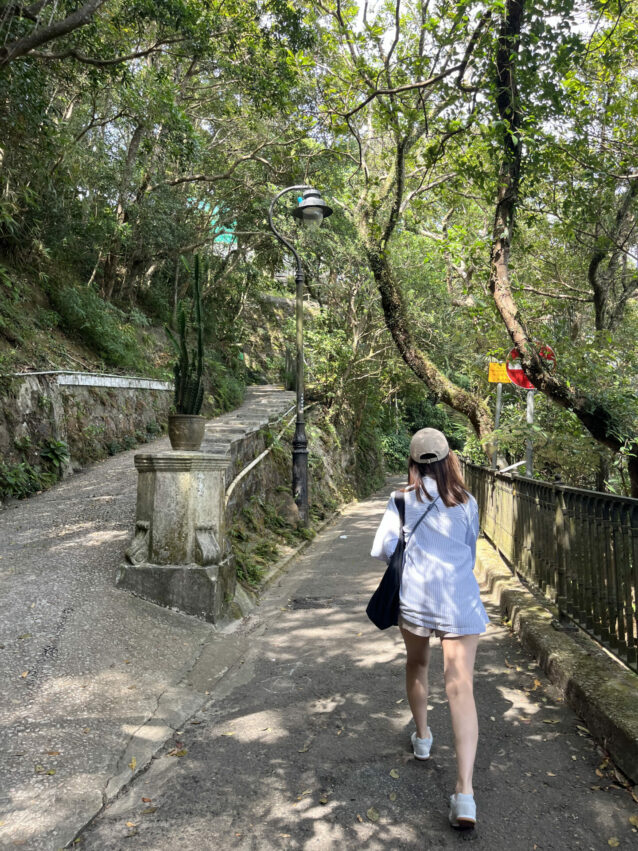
(396, 450)
(47, 319)
(55, 454)
(22, 479)
(98, 324)
(226, 389)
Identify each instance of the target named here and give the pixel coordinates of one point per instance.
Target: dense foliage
(480, 157)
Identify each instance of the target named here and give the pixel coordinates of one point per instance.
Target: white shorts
(425, 631)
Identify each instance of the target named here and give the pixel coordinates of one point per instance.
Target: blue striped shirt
(438, 589)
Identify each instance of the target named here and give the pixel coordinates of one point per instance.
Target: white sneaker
(421, 747)
(462, 811)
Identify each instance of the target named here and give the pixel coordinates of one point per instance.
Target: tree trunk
(111, 265)
(397, 323)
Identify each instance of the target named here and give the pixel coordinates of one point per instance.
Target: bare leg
(416, 679)
(458, 667)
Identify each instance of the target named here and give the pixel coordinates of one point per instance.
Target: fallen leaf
(574, 756)
(39, 769)
(305, 746)
(149, 811)
(550, 774)
(492, 718)
(599, 773)
(131, 824)
(53, 753)
(372, 814)
(180, 752)
(551, 720)
(392, 796)
(583, 729)
(596, 788)
(633, 820)
(132, 763)
(284, 835)
(621, 778)
(195, 722)
(24, 635)
(394, 773)
(24, 674)
(231, 733)
(359, 818)
(323, 799)
(147, 800)
(86, 730)
(508, 663)
(130, 687)
(400, 701)
(537, 684)
(51, 771)
(613, 841)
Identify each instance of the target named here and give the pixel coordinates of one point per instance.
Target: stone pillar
(179, 556)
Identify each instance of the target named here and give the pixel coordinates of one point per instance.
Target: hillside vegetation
(480, 161)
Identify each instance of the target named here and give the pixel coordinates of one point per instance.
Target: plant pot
(186, 431)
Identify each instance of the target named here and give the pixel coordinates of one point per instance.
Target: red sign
(515, 370)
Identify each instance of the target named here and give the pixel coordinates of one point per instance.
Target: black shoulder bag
(383, 608)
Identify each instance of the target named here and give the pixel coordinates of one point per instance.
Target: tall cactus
(189, 368)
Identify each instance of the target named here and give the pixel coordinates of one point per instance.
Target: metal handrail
(578, 547)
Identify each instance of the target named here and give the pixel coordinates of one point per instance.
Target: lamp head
(312, 210)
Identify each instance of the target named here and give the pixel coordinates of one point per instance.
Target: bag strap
(399, 501)
(421, 518)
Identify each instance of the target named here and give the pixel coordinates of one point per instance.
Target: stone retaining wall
(95, 414)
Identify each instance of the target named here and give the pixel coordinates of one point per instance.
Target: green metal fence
(579, 547)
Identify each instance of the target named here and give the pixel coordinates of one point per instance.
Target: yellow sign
(498, 374)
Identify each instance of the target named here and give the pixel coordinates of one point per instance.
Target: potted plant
(185, 425)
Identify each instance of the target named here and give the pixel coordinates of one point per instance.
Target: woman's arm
(388, 533)
(472, 515)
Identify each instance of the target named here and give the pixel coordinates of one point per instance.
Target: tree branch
(43, 35)
(104, 63)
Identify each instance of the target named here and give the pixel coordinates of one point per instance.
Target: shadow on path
(306, 745)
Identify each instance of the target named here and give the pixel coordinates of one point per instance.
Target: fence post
(563, 547)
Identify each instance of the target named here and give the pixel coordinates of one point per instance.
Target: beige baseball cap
(428, 445)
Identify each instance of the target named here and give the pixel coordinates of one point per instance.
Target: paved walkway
(304, 743)
(93, 679)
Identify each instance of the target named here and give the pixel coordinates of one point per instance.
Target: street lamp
(311, 212)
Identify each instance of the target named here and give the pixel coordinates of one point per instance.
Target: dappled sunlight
(92, 539)
(520, 703)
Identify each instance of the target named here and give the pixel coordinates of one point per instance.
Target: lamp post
(311, 212)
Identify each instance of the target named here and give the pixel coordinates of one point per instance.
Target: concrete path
(93, 680)
(304, 743)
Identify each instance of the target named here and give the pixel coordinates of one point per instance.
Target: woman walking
(439, 596)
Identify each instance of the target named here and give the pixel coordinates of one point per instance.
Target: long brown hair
(448, 477)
